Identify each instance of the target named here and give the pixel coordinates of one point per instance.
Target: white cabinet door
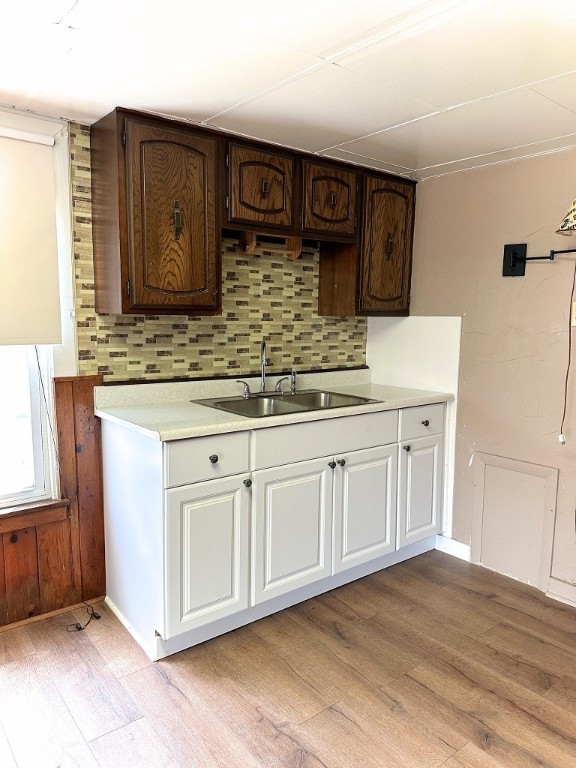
(207, 552)
(364, 506)
(420, 489)
(291, 527)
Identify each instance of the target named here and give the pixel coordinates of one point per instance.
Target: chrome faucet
(263, 364)
(291, 379)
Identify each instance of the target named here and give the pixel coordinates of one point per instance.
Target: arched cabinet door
(155, 226)
(386, 254)
(171, 196)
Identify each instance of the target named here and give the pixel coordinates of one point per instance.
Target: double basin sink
(279, 404)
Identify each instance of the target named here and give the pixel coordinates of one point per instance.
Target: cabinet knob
(341, 462)
(332, 464)
(247, 482)
(213, 458)
(406, 448)
(425, 423)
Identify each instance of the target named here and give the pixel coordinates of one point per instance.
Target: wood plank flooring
(433, 662)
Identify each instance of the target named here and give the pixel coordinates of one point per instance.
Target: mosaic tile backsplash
(264, 296)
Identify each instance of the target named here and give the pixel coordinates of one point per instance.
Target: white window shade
(29, 296)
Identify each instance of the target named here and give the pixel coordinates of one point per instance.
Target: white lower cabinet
(292, 518)
(206, 534)
(207, 546)
(364, 506)
(312, 519)
(420, 489)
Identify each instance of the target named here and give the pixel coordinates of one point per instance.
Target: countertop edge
(194, 422)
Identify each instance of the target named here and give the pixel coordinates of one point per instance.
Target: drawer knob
(425, 423)
(406, 448)
(247, 482)
(341, 462)
(213, 458)
(332, 464)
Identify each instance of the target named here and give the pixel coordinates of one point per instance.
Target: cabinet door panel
(171, 217)
(292, 519)
(260, 187)
(386, 246)
(365, 507)
(329, 199)
(207, 552)
(420, 492)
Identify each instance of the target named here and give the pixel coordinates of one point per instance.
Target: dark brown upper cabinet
(372, 277)
(260, 185)
(329, 199)
(386, 251)
(155, 230)
(159, 203)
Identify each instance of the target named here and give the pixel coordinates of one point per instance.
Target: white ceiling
(417, 87)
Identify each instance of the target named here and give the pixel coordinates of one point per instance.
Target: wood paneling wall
(52, 554)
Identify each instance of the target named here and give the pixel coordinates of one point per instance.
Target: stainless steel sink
(253, 407)
(278, 404)
(315, 399)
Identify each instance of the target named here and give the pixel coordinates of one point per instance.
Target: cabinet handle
(333, 200)
(247, 482)
(177, 220)
(406, 448)
(332, 464)
(425, 423)
(213, 458)
(341, 462)
(265, 189)
(389, 246)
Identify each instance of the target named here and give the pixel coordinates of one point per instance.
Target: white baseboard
(453, 547)
(557, 590)
(562, 591)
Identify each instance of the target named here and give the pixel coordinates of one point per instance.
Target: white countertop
(165, 412)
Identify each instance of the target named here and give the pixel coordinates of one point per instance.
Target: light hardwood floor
(434, 662)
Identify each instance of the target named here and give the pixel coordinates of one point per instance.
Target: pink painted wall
(514, 330)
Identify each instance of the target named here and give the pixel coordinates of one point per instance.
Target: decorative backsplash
(264, 296)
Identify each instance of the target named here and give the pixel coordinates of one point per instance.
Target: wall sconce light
(514, 262)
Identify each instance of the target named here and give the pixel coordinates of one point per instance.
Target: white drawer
(205, 458)
(421, 420)
(326, 437)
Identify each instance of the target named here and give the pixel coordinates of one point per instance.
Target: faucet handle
(279, 383)
(246, 392)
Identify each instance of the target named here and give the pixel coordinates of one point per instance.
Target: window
(26, 455)
(35, 263)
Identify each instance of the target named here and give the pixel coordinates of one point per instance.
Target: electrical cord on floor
(77, 627)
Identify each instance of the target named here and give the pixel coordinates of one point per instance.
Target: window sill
(34, 513)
